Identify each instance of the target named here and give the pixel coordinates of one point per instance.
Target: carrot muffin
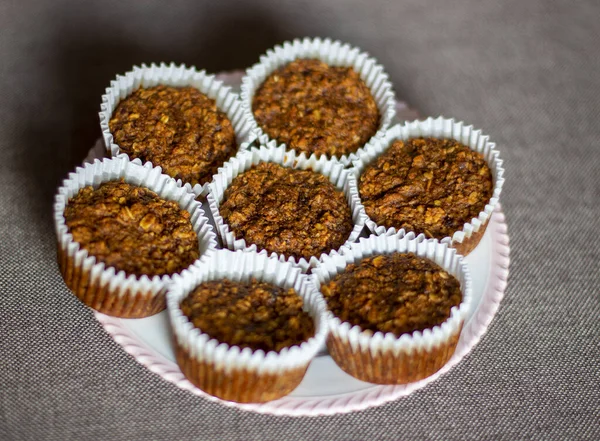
(316, 108)
(426, 185)
(297, 213)
(132, 229)
(251, 314)
(398, 293)
(177, 128)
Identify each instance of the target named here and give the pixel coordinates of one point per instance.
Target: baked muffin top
(177, 128)
(132, 229)
(426, 185)
(398, 293)
(297, 213)
(316, 108)
(251, 314)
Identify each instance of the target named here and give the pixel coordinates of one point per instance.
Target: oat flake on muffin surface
(316, 108)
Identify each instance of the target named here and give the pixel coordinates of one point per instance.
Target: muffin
(267, 199)
(433, 186)
(297, 213)
(132, 229)
(120, 242)
(398, 293)
(246, 326)
(175, 117)
(318, 97)
(316, 108)
(177, 128)
(405, 307)
(249, 314)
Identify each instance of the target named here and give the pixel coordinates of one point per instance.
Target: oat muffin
(398, 293)
(405, 309)
(251, 314)
(316, 108)
(177, 128)
(297, 213)
(426, 185)
(246, 326)
(132, 229)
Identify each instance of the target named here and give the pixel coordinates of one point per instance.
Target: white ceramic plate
(326, 389)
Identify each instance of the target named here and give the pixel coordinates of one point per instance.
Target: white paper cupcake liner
(377, 344)
(177, 76)
(97, 276)
(231, 361)
(334, 53)
(338, 175)
(439, 128)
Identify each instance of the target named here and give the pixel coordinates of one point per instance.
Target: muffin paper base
(238, 385)
(333, 53)
(243, 161)
(384, 358)
(470, 243)
(102, 298)
(103, 288)
(231, 373)
(389, 368)
(441, 128)
(176, 76)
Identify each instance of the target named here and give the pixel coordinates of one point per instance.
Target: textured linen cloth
(526, 72)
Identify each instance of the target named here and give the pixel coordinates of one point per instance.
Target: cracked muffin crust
(250, 314)
(398, 293)
(426, 185)
(316, 108)
(132, 229)
(297, 213)
(177, 128)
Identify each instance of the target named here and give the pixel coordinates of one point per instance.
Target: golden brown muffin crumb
(426, 185)
(252, 314)
(398, 293)
(132, 229)
(177, 128)
(297, 213)
(316, 108)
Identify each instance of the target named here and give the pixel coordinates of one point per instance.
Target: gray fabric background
(527, 72)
